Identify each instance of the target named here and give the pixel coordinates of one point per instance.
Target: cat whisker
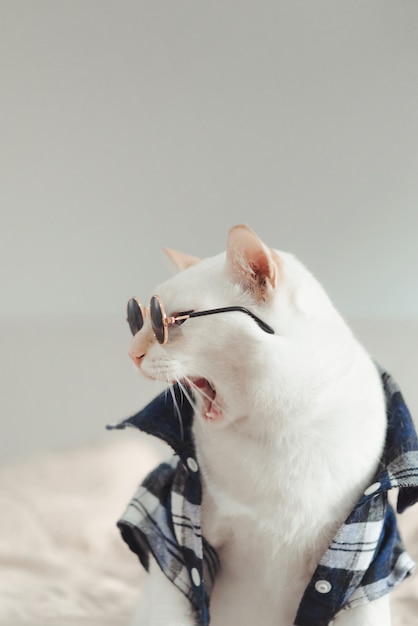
(197, 390)
(161, 377)
(178, 412)
(205, 396)
(186, 393)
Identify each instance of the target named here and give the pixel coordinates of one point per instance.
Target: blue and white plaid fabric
(365, 560)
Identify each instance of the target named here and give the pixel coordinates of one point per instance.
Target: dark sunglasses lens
(157, 319)
(134, 315)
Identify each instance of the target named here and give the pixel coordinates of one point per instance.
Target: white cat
(289, 429)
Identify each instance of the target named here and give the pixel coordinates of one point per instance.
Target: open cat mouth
(205, 394)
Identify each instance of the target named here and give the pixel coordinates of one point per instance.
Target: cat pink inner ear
(181, 260)
(251, 263)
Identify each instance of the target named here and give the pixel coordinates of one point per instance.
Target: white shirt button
(192, 464)
(323, 586)
(372, 489)
(195, 577)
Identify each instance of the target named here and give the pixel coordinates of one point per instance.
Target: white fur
(301, 430)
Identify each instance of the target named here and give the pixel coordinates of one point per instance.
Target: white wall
(129, 125)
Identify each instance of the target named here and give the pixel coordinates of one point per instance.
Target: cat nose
(140, 344)
(136, 358)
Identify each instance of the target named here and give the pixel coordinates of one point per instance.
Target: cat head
(231, 359)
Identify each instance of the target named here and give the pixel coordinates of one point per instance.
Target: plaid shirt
(365, 560)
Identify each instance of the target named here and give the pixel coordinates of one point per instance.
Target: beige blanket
(62, 561)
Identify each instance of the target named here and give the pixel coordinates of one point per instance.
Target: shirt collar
(169, 417)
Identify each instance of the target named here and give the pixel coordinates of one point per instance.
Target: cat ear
(252, 264)
(181, 260)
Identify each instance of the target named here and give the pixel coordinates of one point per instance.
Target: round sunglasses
(160, 322)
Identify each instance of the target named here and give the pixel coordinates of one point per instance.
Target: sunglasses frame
(161, 330)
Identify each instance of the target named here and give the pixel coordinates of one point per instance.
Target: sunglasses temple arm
(268, 329)
(178, 318)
